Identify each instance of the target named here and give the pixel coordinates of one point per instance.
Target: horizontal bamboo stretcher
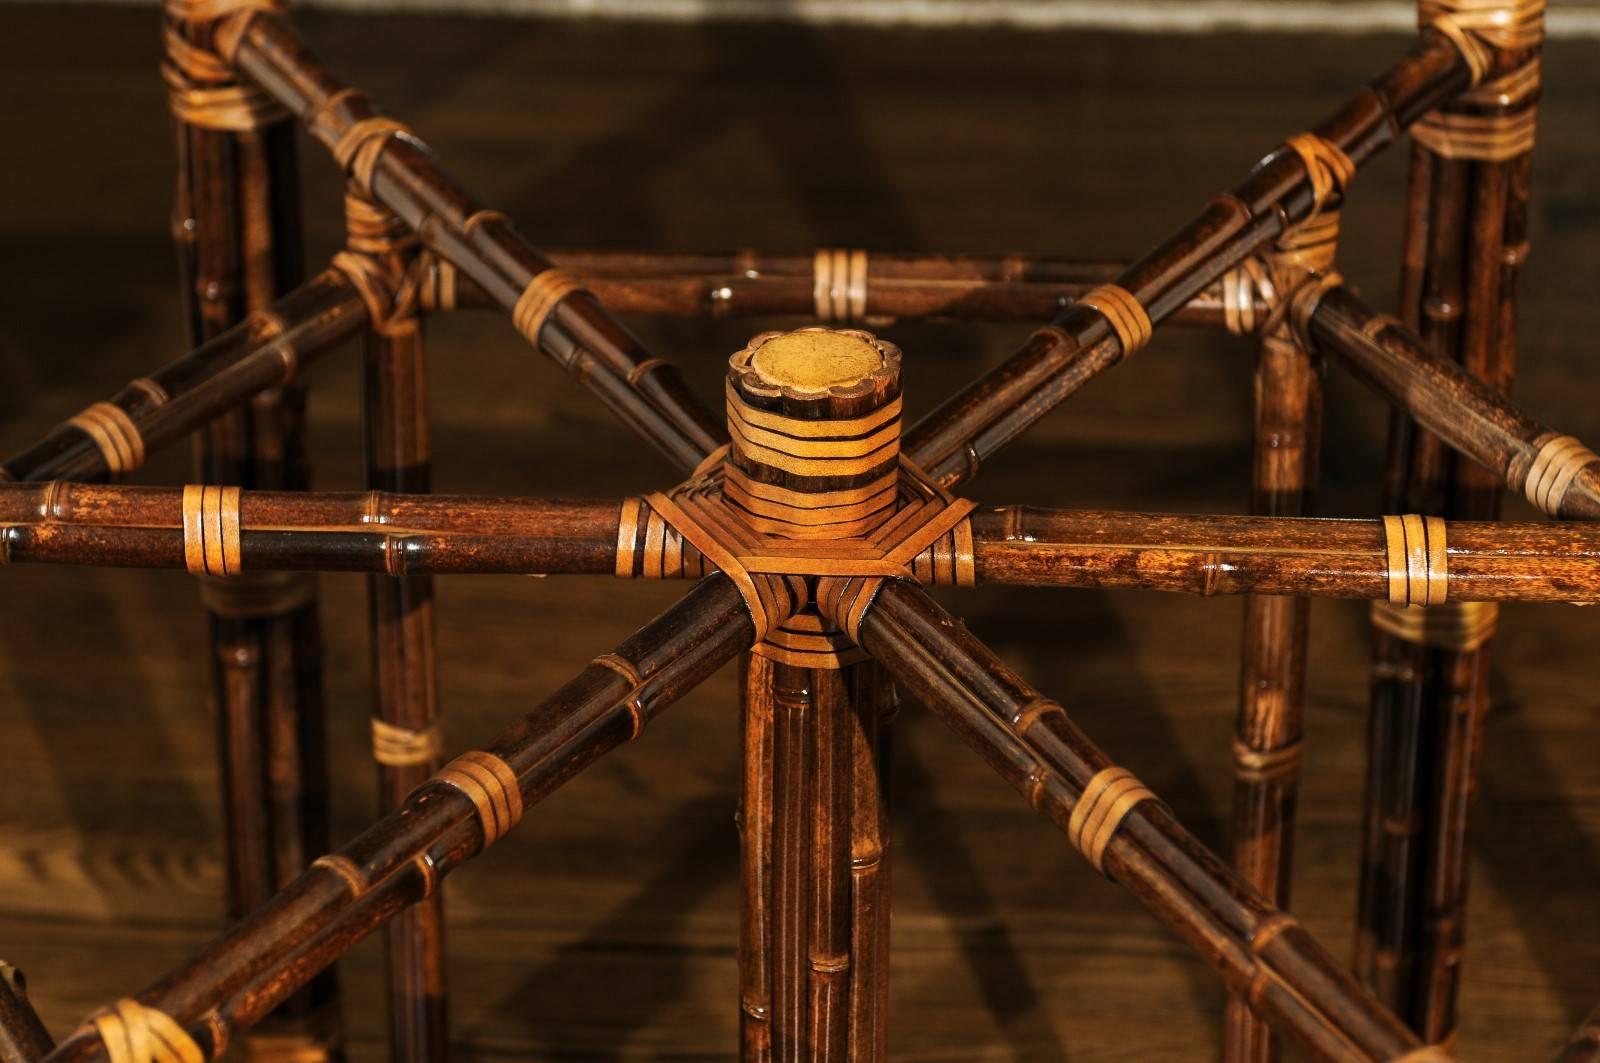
(808, 523)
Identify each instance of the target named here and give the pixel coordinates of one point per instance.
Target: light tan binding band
(1479, 28)
(1556, 464)
(211, 532)
(1417, 559)
(839, 284)
(1107, 799)
(1126, 315)
(1263, 765)
(134, 1033)
(490, 784)
(114, 434)
(1458, 626)
(1328, 168)
(539, 298)
(401, 747)
(358, 147)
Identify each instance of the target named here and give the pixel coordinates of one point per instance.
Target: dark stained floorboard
(604, 929)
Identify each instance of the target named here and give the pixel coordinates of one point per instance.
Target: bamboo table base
(810, 525)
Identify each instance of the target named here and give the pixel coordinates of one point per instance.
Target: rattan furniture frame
(809, 526)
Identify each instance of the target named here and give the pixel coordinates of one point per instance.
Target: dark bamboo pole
(265, 351)
(401, 858)
(1464, 247)
(1260, 951)
(1286, 188)
(405, 726)
(834, 286)
(760, 692)
(1466, 413)
(390, 166)
(1027, 546)
(1266, 740)
(296, 531)
(241, 184)
(23, 1038)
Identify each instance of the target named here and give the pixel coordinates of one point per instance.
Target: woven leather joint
(392, 302)
(1480, 28)
(693, 530)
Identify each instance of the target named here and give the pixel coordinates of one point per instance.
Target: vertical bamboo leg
(1464, 249)
(871, 759)
(1272, 679)
(405, 728)
(814, 948)
(793, 703)
(756, 825)
(237, 229)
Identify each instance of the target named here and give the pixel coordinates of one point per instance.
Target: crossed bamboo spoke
(1257, 259)
(470, 804)
(1288, 187)
(408, 535)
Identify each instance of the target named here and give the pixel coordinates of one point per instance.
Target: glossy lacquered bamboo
(401, 632)
(23, 1038)
(647, 393)
(1467, 414)
(286, 531)
(215, 377)
(1463, 249)
(1288, 978)
(1288, 423)
(401, 858)
(242, 187)
(1487, 561)
(814, 844)
(956, 438)
(898, 286)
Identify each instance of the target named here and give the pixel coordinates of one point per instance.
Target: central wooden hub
(814, 424)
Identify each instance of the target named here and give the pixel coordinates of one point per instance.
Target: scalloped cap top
(816, 360)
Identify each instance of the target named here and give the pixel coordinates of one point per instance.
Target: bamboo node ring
(346, 869)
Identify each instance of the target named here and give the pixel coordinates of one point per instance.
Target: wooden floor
(604, 929)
